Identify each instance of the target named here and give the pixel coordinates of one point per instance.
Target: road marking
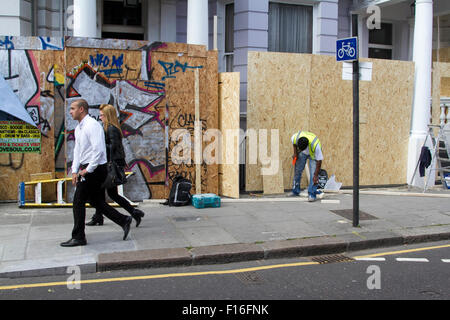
(401, 251)
(158, 276)
(446, 260)
(370, 259)
(193, 274)
(412, 260)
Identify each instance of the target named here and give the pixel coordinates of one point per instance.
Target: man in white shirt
(88, 173)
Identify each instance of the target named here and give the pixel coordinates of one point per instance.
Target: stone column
(197, 22)
(85, 18)
(422, 57)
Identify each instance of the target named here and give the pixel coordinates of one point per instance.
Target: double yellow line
(205, 273)
(157, 276)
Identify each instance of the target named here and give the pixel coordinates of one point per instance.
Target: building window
(380, 42)
(290, 28)
(229, 37)
(122, 19)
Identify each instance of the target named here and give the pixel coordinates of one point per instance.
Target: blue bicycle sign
(347, 49)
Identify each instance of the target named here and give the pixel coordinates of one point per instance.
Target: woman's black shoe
(94, 222)
(138, 215)
(126, 227)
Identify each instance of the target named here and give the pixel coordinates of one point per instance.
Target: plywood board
(30, 70)
(229, 88)
(326, 109)
(177, 71)
(279, 87)
(103, 76)
(110, 71)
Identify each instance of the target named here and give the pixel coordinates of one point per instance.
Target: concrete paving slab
(40, 249)
(49, 232)
(8, 232)
(202, 236)
(295, 229)
(14, 249)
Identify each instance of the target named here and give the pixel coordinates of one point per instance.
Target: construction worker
(306, 146)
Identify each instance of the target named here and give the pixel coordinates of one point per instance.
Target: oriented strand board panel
(229, 110)
(278, 98)
(175, 64)
(51, 73)
(386, 150)
(104, 76)
(331, 117)
(385, 115)
(30, 73)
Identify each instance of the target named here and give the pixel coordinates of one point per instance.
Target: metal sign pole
(355, 129)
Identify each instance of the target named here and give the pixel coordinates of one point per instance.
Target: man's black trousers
(90, 190)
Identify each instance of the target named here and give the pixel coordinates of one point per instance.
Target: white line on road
(412, 260)
(371, 259)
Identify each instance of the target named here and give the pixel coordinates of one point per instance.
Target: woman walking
(115, 152)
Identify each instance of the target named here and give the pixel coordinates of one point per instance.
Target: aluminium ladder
(59, 193)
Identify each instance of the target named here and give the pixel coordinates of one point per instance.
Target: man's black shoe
(74, 243)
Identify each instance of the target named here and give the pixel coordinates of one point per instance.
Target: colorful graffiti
(102, 77)
(31, 43)
(143, 128)
(21, 71)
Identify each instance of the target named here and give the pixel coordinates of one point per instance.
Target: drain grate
(331, 259)
(249, 277)
(348, 214)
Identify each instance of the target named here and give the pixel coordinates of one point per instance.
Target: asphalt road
(408, 273)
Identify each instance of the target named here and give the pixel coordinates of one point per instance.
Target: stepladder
(440, 156)
(22, 202)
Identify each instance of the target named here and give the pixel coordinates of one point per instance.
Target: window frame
(382, 46)
(117, 28)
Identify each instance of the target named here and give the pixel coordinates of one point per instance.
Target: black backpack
(180, 194)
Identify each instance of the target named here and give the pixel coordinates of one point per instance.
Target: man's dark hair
(302, 143)
(81, 103)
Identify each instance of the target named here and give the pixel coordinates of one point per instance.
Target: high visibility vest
(312, 139)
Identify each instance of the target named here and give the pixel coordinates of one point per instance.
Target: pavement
(251, 228)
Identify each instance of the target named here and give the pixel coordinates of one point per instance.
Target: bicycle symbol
(346, 49)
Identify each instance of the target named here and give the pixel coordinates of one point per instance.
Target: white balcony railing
(445, 114)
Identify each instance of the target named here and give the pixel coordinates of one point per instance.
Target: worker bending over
(306, 146)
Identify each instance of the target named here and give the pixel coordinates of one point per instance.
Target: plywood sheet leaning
(322, 103)
(385, 113)
(174, 64)
(27, 73)
(229, 110)
(331, 116)
(384, 140)
(278, 98)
